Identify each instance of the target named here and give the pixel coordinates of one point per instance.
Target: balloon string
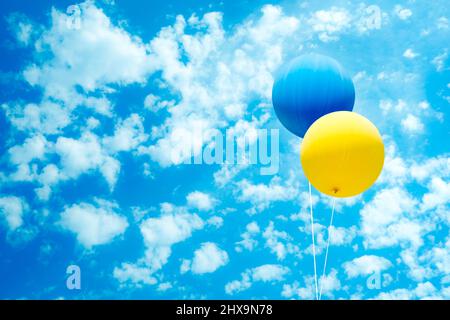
(313, 241)
(328, 245)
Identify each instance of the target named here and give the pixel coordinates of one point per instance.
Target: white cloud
(442, 23)
(214, 75)
(397, 294)
(269, 272)
(248, 242)
(22, 27)
(279, 242)
(151, 101)
(201, 201)
(395, 169)
(394, 218)
(417, 270)
(328, 23)
(33, 148)
(70, 61)
(225, 174)
(402, 13)
(440, 61)
(440, 257)
(423, 291)
(424, 105)
(155, 103)
(93, 224)
(49, 176)
(164, 286)
(410, 54)
(429, 263)
(341, 236)
(174, 225)
(262, 195)
(388, 220)
(366, 265)
(236, 286)
(290, 290)
(263, 273)
(128, 134)
(412, 124)
(388, 105)
(136, 275)
(438, 194)
(215, 221)
(272, 26)
(185, 266)
(46, 117)
(208, 258)
(85, 154)
(12, 210)
(91, 56)
(431, 167)
(330, 284)
(74, 67)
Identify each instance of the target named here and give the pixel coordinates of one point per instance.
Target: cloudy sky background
(96, 98)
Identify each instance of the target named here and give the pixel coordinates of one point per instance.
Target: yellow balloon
(342, 154)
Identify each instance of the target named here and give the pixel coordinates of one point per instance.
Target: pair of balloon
(342, 153)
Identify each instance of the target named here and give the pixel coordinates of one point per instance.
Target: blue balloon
(309, 87)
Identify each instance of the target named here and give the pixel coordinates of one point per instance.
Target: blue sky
(98, 100)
